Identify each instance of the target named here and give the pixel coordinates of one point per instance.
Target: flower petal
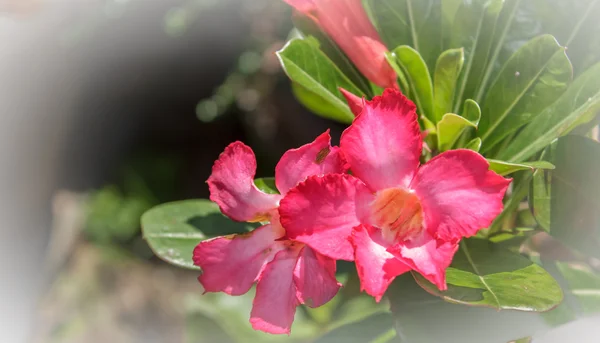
(316, 158)
(428, 256)
(275, 302)
(314, 277)
(384, 143)
(355, 103)
(322, 211)
(458, 193)
(376, 267)
(232, 263)
(348, 24)
(231, 186)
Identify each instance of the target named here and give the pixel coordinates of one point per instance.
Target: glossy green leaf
(447, 70)
(402, 80)
(172, 230)
(506, 168)
(417, 312)
(365, 330)
(474, 144)
(267, 185)
(309, 28)
(474, 30)
(482, 274)
(416, 71)
(579, 103)
(501, 40)
(316, 104)
(584, 284)
(391, 19)
(308, 66)
(575, 205)
(416, 23)
(533, 78)
(450, 128)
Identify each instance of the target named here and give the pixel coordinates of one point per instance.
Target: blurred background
(109, 107)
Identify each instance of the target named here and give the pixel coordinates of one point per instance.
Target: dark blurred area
(108, 108)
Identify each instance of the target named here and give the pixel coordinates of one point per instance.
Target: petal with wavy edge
(383, 145)
(275, 302)
(316, 158)
(314, 277)
(376, 267)
(322, 211)
(231, 264)
(458, 193)
(428, 256)
(231, 186)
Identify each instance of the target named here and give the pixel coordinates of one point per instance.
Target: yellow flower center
(398, 213)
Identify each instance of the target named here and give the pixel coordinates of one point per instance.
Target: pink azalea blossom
(287, 272)
(347, 23)
(393, 215)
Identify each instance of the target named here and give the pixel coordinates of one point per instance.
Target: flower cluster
(369, 200)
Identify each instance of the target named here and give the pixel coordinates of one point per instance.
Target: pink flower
(347, 23)
(288, 273)
(392, 215)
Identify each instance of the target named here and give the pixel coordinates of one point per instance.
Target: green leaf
(449, 129)
(520, 189)
(391, 19)
(575, 205)
(416, 71)
(579, 103)
(308, 66)
(174, 229)
(484, 275)
(452, 125)
(447, 70)
(584, 284)
(403, 82)
(533, 78)
(416, 312)
(505, 168)
(316, 104)
(365, 330)
(539, 198)
(410, 22)
(474, 144)
(474, 30)
(503, 26)
(267, 185)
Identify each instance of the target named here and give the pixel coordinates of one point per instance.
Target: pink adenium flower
(287, 272)
(393, 215)
(347, 23)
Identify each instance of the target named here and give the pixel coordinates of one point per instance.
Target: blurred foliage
(252, 80)
(112, 213)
